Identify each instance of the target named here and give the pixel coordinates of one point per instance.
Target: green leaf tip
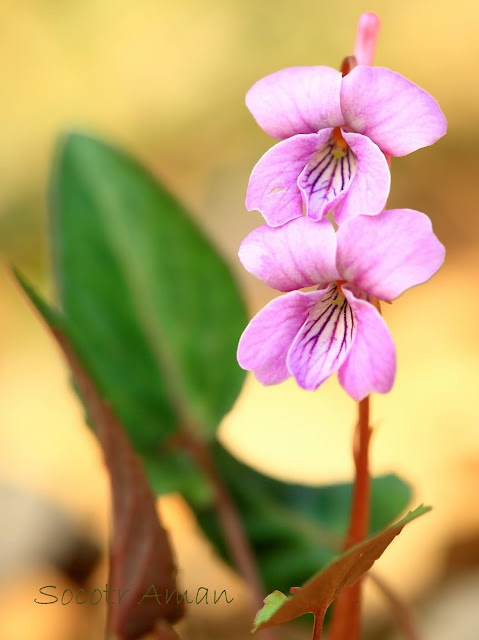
(412, 515)
(272, 603)
(77, 137)
(51, 316)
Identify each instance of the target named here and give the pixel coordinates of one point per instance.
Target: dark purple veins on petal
(324, 340)
(328, 173)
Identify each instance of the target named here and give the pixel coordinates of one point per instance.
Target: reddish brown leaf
(141, 561)
(140, 554)
(319, 592)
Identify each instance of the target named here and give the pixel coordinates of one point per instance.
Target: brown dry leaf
(320, 591)
(140, 553)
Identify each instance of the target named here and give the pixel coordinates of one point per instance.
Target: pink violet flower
(310, 335)
(335, 132)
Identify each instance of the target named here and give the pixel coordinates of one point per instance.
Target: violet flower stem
(346, 620)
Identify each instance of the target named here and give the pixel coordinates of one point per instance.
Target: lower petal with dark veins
(323, 341)
(325, 180)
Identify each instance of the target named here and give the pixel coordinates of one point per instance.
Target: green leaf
(178, 474)
(294, 530)
(319, 592)
(152, 308)
(272, 603)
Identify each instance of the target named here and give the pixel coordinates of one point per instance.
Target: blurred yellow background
(167, 79)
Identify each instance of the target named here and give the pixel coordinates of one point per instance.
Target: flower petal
(369, 190)
(273, 186)
(265, 341)
(386, 254)
(301, 253)
(396, 114)
(371, 362)
(296, 100)
(326, 178)
(323, 342)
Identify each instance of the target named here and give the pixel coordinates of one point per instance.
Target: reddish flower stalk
(346, 622)
(359, 525)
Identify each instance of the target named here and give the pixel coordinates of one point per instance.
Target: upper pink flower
(335, 131)
(310, 335)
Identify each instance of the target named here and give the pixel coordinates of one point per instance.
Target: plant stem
(359, 523)
(317, 630)
(399, 607)
(231, 526)
(346, 620)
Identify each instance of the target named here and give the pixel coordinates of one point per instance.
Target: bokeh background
(166, 79)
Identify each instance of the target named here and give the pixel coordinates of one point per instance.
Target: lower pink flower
(337, 327)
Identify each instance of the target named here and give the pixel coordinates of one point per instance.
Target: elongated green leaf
(294, 530)
(151, 306)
